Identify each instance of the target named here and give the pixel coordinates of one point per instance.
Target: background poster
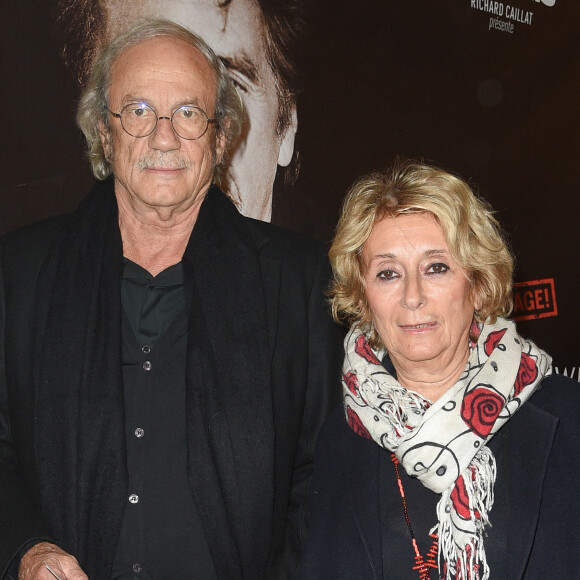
(486, 89)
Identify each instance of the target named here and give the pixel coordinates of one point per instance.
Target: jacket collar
(532, 432)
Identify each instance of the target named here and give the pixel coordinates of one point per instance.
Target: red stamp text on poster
(534, 299)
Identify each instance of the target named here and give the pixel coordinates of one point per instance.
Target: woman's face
(420, 300)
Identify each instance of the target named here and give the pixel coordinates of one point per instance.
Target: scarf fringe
(402, 408)
(471, 559)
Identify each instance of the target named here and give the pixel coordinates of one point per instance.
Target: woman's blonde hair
(473, 235)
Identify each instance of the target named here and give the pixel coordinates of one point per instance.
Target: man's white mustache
(162, 162)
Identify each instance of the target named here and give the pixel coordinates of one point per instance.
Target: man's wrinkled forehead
(163, 67)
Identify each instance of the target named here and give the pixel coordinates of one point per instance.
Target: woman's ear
(476, 298)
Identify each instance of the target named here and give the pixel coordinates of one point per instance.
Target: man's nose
(164, 137)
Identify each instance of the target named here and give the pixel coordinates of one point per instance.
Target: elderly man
(165, 362)
(255, 39)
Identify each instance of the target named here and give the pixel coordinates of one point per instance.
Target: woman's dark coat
(540, 467)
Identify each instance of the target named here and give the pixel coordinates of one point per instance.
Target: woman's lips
(422, 327)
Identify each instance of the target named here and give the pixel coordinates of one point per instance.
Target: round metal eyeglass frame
(119, 116)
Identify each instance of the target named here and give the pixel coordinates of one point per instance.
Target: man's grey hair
(82, 24)
(92, 112)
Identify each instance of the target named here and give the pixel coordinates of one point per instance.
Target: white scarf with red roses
(443, 443)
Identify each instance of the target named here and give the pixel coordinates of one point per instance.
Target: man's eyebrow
(244, 65)
(131, 98)
(136, 100)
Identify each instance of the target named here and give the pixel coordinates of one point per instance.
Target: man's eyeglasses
(139, 120)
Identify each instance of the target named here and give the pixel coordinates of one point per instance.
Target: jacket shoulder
(22, 254)
(276, 240)
(559, 395)
(31, 241)
(268, 239)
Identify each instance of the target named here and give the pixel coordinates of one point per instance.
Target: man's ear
(221, 141)
(287, 145)
(106, 141)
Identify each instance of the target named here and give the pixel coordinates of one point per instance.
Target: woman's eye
(438, 268)
(387, 274)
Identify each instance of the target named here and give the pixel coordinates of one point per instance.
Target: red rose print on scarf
(356, 424)
(352, 383)
(492, 340)
(460, 499)
(363, 349)
(527, 373)
(480, 408)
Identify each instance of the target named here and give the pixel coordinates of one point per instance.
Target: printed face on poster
(486, 89)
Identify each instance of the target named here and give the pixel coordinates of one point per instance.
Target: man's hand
(33, 565)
